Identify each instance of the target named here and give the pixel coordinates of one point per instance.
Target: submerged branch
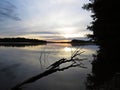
(74, 60)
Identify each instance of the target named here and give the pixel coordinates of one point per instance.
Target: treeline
(76, 42)
(106, 21)
(105, 27)
(80, 41)
(21, 40)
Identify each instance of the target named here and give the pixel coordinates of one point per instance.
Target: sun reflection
(67, 49)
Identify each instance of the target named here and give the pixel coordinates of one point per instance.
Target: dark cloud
(43, 32)
(7, 10)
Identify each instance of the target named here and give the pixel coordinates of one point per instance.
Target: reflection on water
(74, 61)
(105, 70)
(20, 63)
(67, 49)
(20, 44)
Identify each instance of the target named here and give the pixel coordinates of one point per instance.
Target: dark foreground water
(20, 63)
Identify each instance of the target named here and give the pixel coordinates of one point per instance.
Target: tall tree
(106, 18)
(105, 27)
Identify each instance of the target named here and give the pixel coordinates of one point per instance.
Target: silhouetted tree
(106, 17)
(105, 27)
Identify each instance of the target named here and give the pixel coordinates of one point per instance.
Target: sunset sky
(45, 19)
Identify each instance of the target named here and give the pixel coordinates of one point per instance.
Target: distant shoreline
(21, 40)
(76, 42)
(32, 42)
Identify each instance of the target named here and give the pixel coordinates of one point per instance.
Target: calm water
(20, 63)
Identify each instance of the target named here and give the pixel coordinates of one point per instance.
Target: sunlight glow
(52, 20)
(71, 35)
(67, 49)
(66, 30)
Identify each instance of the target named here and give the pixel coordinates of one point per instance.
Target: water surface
(20, 63)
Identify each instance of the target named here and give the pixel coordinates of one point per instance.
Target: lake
(20, 63)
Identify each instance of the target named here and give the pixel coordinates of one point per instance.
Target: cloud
(7, 10)
(47, 17)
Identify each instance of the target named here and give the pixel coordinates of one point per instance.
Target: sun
(71, 35)
(67, 30)
(67, 35)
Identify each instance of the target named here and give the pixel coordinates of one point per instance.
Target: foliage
(106, 17)
(105, 27)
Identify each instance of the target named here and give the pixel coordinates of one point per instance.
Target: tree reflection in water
(105, 71)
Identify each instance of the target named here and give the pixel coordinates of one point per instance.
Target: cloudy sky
(44, 19)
